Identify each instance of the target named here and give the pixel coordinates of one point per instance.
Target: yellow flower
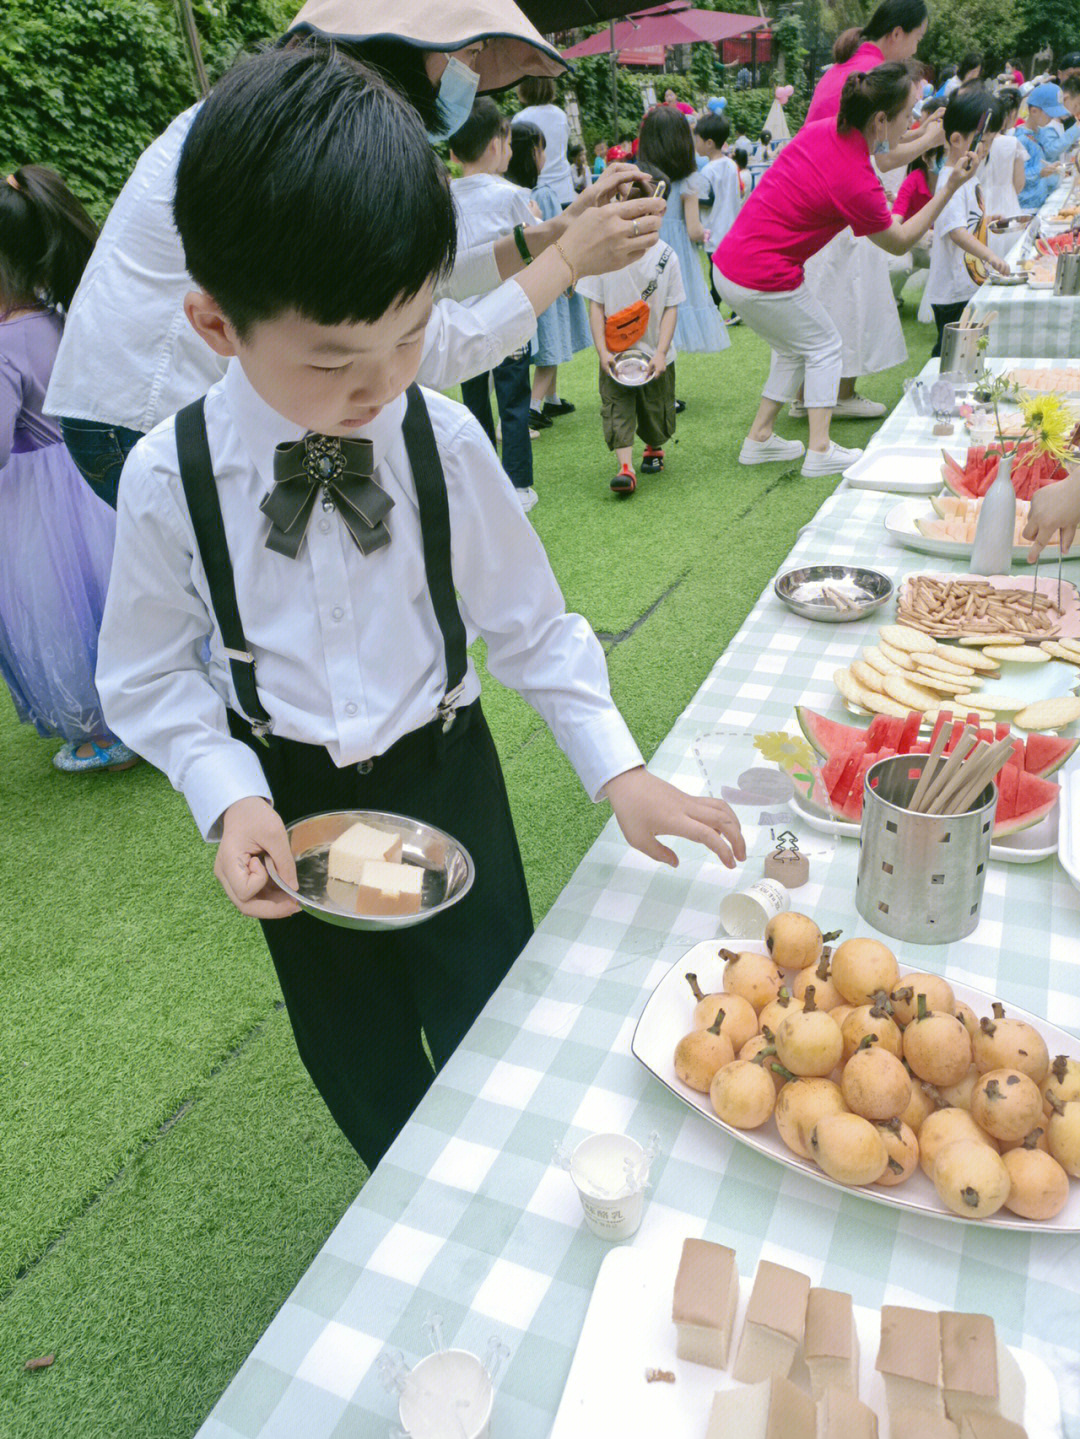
(790, 752)
(1049, 425)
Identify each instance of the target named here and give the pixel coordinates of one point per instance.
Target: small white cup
(745, 913)
(448, 1395)
(610, 1172)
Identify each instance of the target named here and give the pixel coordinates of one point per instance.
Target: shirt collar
(262, 429)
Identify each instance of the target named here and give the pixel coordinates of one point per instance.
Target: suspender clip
(260, 730)
(245, 656)
(447, 710)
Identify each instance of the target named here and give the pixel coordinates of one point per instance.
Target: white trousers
(806, 346)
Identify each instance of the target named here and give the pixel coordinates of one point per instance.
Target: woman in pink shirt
(893, 32)
(821, 182)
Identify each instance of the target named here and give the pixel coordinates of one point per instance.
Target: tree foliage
(87, 84)
(1048, 22)
(984, 27)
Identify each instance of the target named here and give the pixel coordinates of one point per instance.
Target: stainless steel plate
(1021, 278)
(448, 865)
(833, 593)
(631, 368)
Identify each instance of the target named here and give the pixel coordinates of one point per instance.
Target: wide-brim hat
(513, 47)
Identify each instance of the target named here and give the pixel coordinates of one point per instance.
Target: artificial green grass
(151, 1261)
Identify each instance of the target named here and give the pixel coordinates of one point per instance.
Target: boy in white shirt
(949, 287)
(321, 517)
(719, 180)
(488, 207)
(648, 409)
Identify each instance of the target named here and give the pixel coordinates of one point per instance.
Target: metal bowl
(631, 368)
(1014, 222)
(833, 593)
(448, 865)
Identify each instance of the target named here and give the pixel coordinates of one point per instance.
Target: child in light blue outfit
(666, 144)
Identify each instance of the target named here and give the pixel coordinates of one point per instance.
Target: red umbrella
(674, 27)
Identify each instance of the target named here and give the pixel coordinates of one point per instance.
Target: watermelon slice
(954, 738)
(944, 718)
(910, 732)
(1007, 782)
(1002, 730)
(1035, 798)
(884, 733)
(972, 479)
(1044, 753)
(840, 797)
(828, 737)
(831, 772)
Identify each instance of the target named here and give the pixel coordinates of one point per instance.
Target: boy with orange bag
(636, 309)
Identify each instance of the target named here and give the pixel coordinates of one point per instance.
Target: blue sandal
(116, 756)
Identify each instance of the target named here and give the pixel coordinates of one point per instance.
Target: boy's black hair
(713, 127)
(46, 238)
(306, 183)
(524, 139)
(485, 122)
(1009, 96)
(665, 141)
(741, 158)
(964, 109)
(1071, 85)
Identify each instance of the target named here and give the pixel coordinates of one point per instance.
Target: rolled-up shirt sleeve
(467, 340)
(475, 272)
(155, 686)
(510, 595)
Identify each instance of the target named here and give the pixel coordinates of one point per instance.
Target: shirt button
(337, 612)
(350, 708)
(324, 525)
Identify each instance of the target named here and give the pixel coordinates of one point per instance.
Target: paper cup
(448, 1395)
(745, 913)
(598, 1167)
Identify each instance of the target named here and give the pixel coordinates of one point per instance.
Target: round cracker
(902, 637)
(874, 657)
(945, 684)
(867, 676)
(900, 658)
(1049, 714)
(1023, 654)
(966, 659)
(883, 705)
(901, 689)
(977, 641)
(850, 688)
(1059, 652)
(1004, 704)
(946, 667)
(1070, 646)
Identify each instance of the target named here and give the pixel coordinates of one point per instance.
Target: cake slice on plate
(774, 1409)
(386, 889)
(704, 1303)
(841, 1416)
(357, 844)
(831, 1345)
(775, 1324)
(909, 1359)
(978, 1371)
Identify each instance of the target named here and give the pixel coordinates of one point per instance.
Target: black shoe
(558, 407)
(539, 421)
(624, 484)
(680, 405)
(652, 462)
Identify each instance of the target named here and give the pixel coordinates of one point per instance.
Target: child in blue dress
(57, 535)
(666, 143)
(563, 329)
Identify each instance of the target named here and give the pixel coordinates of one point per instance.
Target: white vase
(992, 552)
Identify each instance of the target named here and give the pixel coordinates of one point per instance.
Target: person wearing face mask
(128, 311)
(821, 182)
(849, 276)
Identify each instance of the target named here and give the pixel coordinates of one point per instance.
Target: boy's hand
(658, 364)
(647, 807)
(606, 360)
(1000, 264)
(251, 829)
(1054, 508)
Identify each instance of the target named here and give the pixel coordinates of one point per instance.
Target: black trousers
(946, 315)
(357, 999)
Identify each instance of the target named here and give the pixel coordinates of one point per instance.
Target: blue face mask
(457, 90)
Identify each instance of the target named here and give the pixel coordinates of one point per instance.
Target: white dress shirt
(129, 356)
(348, 651)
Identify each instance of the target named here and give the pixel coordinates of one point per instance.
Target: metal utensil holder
(960, 351)
(921, 876)
(1067, 274)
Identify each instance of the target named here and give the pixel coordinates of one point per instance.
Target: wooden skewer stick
(964, 745)
(942, 799)
(974, 777)
(930, 767)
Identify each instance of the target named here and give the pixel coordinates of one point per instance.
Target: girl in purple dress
(57, 536)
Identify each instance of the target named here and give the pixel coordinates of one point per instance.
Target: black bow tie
(343, 468)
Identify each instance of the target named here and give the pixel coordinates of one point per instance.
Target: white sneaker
(534, 434)
(766, 452)
(529, 497)
(858, 407)
(832, 461)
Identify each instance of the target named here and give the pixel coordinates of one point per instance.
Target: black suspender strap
(204, 506)
(647, 293)
(435, 529)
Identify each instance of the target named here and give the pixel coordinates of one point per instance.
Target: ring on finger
(636, 231)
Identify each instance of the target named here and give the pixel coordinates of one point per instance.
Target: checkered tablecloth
(468, 1216)
(1031, 322)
